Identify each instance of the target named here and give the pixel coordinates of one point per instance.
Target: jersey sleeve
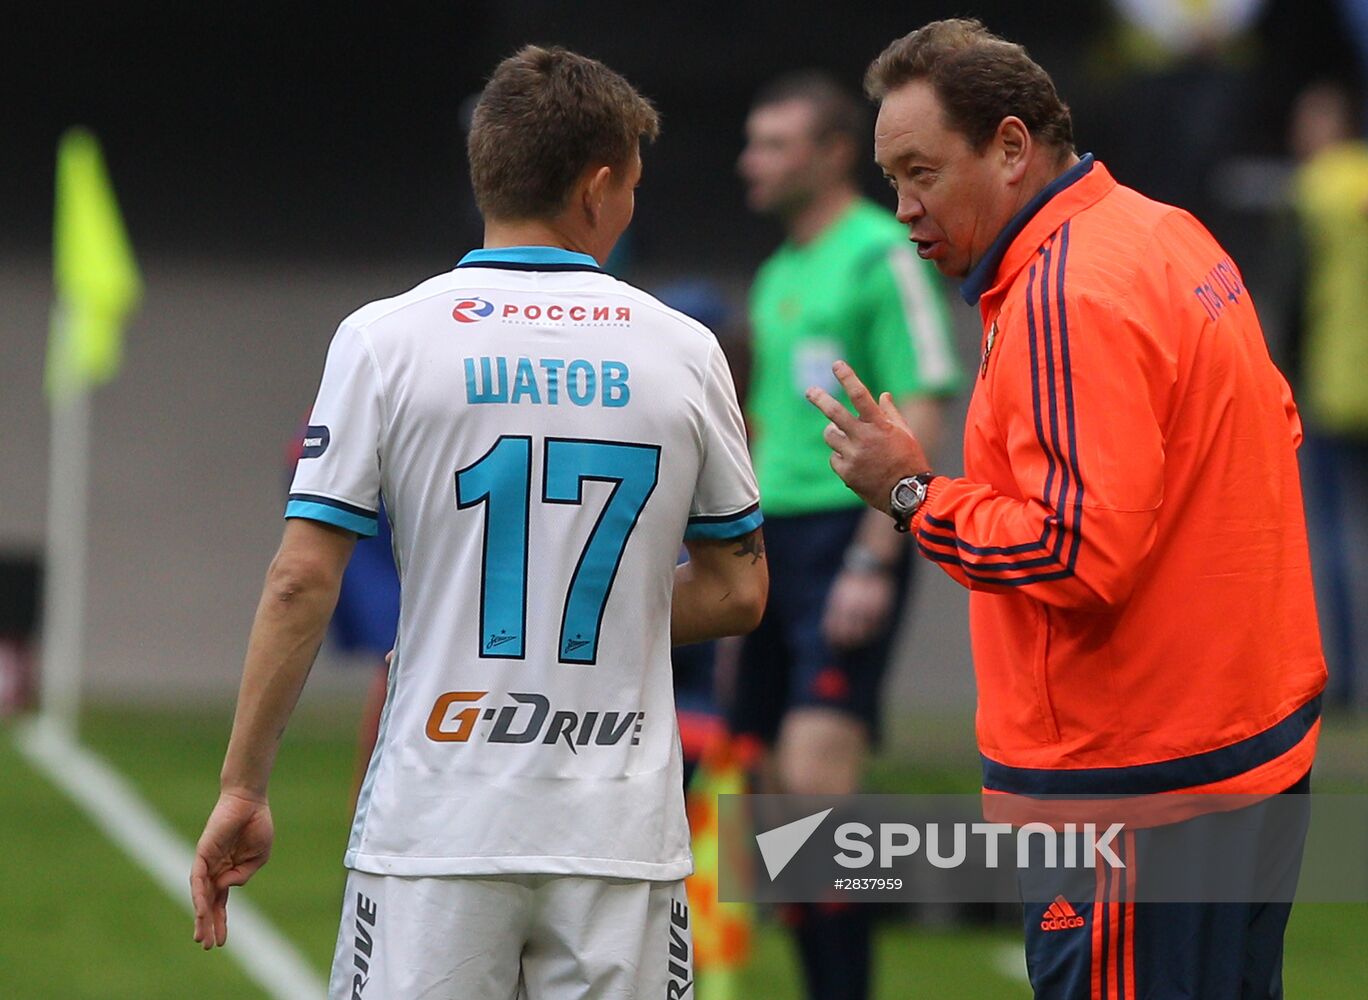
(337, 480)
(726, 502)
(911, 349)
(1084, 440)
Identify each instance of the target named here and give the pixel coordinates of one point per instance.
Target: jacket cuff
(933, 490)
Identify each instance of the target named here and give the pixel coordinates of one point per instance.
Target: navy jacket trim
(983, 275)
(1161, 776)
(1061, 456)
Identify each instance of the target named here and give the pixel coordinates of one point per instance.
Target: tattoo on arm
(752, 545)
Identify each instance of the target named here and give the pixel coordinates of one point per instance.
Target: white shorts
(512, 937)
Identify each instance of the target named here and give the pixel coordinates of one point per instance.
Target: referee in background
(843, 284)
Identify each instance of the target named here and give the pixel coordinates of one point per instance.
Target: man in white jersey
(544, 437)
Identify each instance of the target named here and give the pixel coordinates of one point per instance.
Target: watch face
(907, 496)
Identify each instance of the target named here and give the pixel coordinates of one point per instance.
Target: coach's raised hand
(873, 448)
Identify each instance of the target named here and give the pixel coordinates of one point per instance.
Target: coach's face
(954, 200)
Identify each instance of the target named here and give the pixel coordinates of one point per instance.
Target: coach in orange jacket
(1130, 519)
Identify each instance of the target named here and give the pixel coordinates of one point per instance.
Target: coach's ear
(595, 190)
(1014, 143)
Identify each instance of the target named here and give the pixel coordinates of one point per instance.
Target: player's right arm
(296, 602)
(721, 590)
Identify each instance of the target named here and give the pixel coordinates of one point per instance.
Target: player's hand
(859, 606)
(873, 448)
(235, 843)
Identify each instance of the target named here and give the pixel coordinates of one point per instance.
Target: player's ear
(595, 190)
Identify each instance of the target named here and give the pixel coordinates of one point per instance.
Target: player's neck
(533, 233)
(816, 216)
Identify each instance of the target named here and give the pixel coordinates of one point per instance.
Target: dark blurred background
(333, 129)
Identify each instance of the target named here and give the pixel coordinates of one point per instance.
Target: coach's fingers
(836, 439)
(833, 411)
(891, 411)
(860, 396)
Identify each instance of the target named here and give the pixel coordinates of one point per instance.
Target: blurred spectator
(1330, 195)
(1354, 17)
(1176, 104)
(1177, 29)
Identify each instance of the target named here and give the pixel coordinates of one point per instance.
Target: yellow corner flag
(96, 277)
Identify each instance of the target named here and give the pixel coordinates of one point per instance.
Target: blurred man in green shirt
(845, 284)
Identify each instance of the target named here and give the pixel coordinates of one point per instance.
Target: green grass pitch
(79, 920)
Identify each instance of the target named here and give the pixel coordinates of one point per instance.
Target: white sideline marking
(111, 802)
(1010, 961)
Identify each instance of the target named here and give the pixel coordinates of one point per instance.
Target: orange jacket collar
(1081, 185)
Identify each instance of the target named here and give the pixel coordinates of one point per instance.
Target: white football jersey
(544, 437)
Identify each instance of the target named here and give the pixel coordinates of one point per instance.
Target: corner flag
(96, 277)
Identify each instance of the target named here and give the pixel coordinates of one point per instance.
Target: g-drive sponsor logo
(363, 944)
(680, 967)
(461, 716)
(474, 309)
(946, 844)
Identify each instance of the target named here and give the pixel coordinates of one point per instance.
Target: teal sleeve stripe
(363, 526)
(744, 524)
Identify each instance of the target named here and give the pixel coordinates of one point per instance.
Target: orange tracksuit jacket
(1130, 518)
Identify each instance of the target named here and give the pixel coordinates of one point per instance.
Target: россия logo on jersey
(470, 310)
(474, 309)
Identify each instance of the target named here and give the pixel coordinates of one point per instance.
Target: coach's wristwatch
(907, 497)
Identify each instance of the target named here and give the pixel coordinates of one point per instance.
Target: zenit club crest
(988, 349)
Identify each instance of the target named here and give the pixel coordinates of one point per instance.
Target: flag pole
(97, 285)
(64, 588)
